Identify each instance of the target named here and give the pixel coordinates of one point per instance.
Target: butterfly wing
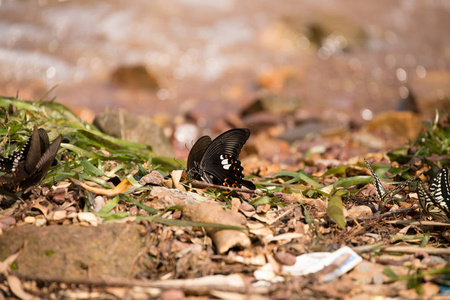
(381, 192)
(440, 188)
(428, 204)
(10, 163)
(195, 156)
(220, 164)
(43, 165)
(35, 152)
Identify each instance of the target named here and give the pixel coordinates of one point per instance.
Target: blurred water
(372, 55)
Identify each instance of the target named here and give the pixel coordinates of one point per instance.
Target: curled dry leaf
(16, 287)
(177, 176)
(121, 188)
(224, 239)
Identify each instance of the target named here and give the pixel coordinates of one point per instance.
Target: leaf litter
(202, 239)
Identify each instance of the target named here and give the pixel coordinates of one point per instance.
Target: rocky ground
(112, 221)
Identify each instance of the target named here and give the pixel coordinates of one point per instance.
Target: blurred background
(230, 62)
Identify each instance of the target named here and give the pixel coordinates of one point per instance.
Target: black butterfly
(381, 191)
(26, 168)
(435, 202)
(216, 161)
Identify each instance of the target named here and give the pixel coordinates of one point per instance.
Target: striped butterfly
(382, 194)
(435, 202)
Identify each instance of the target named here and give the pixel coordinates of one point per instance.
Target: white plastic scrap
(313, 262)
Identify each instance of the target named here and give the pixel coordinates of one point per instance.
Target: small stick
(418, 223)
(387, 214)
(416, 249)
(202, 184)
(221, 283)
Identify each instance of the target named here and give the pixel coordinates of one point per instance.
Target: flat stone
(71, 252)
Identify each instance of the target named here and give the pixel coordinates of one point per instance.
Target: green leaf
(335, 211)
(388, 272)
(109, 206)
(90, 168)
(335, 170)
(261, 200)
(298, 176)
(346, 182)
(143, 206)
(425, 240)
(77, 150)
(184, 223)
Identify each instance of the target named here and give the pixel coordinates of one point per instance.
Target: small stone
(59, 215)
(245, 206)
(29, 219)
(153, 178)
(134, 211)
(99, 202)
(40, 221)
(285, 258)
(176, 214)
(172, 295)
(6, 222)
(88, 217)
(360, 211)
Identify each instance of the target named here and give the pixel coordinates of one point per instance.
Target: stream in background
(330, 59)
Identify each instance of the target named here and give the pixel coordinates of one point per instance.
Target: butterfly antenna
(180, 164)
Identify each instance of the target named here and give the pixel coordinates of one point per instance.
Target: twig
(418, 223)
(415, 249)
(202, 184)
(386, 214)
(215, 282)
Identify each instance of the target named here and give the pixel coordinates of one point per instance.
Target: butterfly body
(382, 194)
(216, 161)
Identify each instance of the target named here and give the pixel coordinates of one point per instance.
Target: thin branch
(386, 214)
(202, 184)
(415, 249)
(418, 223)
(215, 282)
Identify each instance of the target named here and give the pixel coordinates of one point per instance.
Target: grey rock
(134, 128)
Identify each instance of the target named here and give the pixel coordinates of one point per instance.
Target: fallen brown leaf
(121, 188)
(224, 239)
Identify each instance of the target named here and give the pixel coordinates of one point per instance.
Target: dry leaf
(177, 176)
(224, 239)
(121, 188)
(16, 287)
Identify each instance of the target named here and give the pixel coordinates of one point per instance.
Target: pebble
(29, 219)
(40, 221)
(99, 202)
(59, 215)
(88, 217)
